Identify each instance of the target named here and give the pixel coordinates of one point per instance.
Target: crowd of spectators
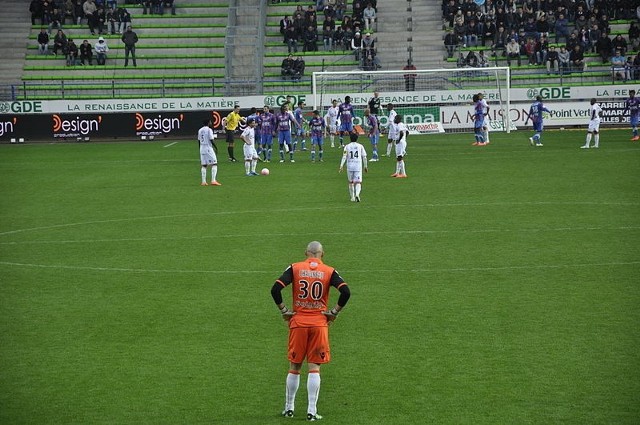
(526, 30)
(101, 16)
(339, 29)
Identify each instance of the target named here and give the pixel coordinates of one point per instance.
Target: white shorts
(333, 128)
(208, 157)
(401, 148)
(354, 176)
(249, 152)
(594, 126)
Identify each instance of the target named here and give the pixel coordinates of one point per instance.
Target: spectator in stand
(298, 13)
(604, 47)
(552, 60)
(100, 19)
(483, 61)
(576, 57)
(71, 53)
(461, 62)
(35, 7)
(78, 11)
(101, 49)
(311, 17)
(56, 17)
(299, 26)
(310, 40)
(125, 20)
(338, 38)
(460, 31)
(530, 28)
(618, 63)
(86, 53)
(449, 12)
(88, 7)
(594, 36)
(542, 25)
(356, 46)
(513, 51)
(69, 11)
(581, 23)
(43, 42)
(112, 4)
(500, 41)
(328, 30)
(329, 11)
(471, 60)
(542, 49)
(410, 79)
(619, 43)
(370, 53)
(561, 27)
(634, 36)
(129, 38)
(603, 23)
(286, 68)
(169, 4)
(341, 9)
(572, 41)
(285, 23)
(450, 43)
(298, 69)
(59, 42)
(635, 75)
(369, 16)
(489, 32)
(564, 60)
(472, 34)
(291, 38)
(629, 68)
(358, 9)
(530, 50)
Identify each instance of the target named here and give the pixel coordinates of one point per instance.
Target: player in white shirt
(249, 148)
(595, 112)
(401, 131)
(485, 111)
(208, 157)
(331, 118)
(391, 136)
(355, 157)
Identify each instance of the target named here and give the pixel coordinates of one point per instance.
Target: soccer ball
(264, 172)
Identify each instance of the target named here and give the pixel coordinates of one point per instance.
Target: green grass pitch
(495, 285)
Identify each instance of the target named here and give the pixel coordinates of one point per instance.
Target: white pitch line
(170, 144)
(369, 233)
(319, 208)
(369, 271)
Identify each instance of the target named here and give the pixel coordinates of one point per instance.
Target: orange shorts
(312, 343)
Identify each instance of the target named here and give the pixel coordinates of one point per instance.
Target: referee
(231, 125)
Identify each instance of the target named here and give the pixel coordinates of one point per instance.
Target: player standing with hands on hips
(356, 158)
(310, 280)
(208, 157)
(595, 112)
(249, 148)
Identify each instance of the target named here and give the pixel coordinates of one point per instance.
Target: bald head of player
(314, 250)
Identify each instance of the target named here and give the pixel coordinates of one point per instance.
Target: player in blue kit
(345, 112)
(284, 120)
(373, 125)
(478, 121)
(267, 129)
(318, 129)
(632, 104)
(535, 114)
(299, 132)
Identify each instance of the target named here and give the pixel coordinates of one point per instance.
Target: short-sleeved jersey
(284, 120)
(397, 128)
(633, 105)
(317, 126)
(478, 114)
(355, 156)
(311, 280)
(594, 112)
(249, 136)
(205, 138)
(332, 115)
(346, 113)
(232, 121)
(373, 124)
(297, 114)
(392, 117)
(536, 110)
(267, 123)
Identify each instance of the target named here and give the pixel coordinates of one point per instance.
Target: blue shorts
(284, 136)
(537, 127)
(634, 120)
(346, 126)
(317, 140)
(267, 139)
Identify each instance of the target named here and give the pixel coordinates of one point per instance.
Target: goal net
(430, 101)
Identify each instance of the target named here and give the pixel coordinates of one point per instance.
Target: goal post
(429, 99)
